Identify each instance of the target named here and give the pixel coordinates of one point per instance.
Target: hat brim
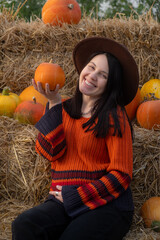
(85, 48)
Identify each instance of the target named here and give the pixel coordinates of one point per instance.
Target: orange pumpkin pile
(148, 113)
(145, 107)
(20, 108)
(57, 12)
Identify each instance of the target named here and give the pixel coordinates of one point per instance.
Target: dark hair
(106, 106)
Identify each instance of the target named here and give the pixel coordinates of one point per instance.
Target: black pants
(49, 221)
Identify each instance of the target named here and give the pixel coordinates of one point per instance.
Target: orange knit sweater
(93, 171)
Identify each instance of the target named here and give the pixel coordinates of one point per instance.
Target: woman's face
(93, 77)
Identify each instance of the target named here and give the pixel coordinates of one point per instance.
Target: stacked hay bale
(25, 176)
(24, 46)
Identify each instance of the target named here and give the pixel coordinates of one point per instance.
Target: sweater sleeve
(51, 142)
(104, 190)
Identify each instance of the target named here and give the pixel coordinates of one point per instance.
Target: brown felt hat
(88, 46)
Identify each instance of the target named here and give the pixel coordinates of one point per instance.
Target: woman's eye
(91, 67)
(103, 75)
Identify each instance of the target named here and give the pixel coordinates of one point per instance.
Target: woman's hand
(53, 97)
(57, 194)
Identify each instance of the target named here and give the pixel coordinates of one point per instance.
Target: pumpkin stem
(156, 226)
(70, 6)
(34, 100)
(152, 97)
(6, 91)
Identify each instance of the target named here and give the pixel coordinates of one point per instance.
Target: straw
(24, 175)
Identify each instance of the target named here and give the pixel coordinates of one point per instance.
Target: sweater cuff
(50, 120)
(73, 204)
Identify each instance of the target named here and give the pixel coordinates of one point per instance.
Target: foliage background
(97, 8)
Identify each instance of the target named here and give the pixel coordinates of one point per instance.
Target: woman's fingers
(39, 87)
(53, 96)
(47, 89)
(34, 84)
(57, 88)
(57, 194)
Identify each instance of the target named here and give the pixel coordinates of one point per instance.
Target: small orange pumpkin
(29, 112)
(50, 73)
(56, 12)
(131, 108)
(150, 212)
(148, 114)
(28, 93)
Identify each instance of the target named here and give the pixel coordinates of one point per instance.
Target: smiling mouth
(89, 84)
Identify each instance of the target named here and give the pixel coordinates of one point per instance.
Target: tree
(25, 8)
(118, 6)
(33, 8)
(91, 7)
(136, 7)
(146, 5)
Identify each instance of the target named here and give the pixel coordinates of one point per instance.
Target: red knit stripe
(56, 135)
(124, 181)
(111, 189)
(86, 192)
(101, 186)
(92, 190)
(41, 151)
(77, 174)
(84, 196)
(69, 182)
(91, 205)
(45, 154)
(108, 185)
(96, 203)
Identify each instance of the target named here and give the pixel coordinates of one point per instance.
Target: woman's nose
(93, 75)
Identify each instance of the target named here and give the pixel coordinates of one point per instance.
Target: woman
(88, 140)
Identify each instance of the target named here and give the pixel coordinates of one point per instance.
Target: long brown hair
(105, 106)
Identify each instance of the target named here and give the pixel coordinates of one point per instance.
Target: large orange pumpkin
(148, 114)
(131, 108)
(29, 112)
(56, 12)
(28, 93)
(50, 73)
(150, 212)
(152, 87)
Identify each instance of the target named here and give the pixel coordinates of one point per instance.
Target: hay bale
(146, 177)
(24, 175)
(24, 46)
(9, 209)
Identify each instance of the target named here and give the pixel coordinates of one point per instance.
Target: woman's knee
(20, 220)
